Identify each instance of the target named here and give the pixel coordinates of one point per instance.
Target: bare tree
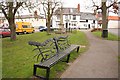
(104, 7)
(9, 9)
(49, 6)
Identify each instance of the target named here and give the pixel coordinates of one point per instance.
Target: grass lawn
(119, 59)
(17, 56)
(110, 36)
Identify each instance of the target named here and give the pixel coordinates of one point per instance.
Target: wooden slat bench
(52, 51)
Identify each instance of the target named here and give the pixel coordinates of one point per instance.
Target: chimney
(78, 7)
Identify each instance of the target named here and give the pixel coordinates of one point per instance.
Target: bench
(52, 51)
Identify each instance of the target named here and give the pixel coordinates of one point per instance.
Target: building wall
(89, 24)
(70, 22)
(113, 24)
(73, 23)
(54, 23)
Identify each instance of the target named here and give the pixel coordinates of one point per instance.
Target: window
(73, 23)
(74, 17)
(85, 25)
(86, 20)
(93, 21)
(25, 26)
(66, 16)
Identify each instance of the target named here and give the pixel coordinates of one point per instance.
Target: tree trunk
(48, 26)
(12, 27)
(48, 19)
(11, 20)
(104, 20)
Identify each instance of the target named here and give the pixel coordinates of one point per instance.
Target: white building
(73, 18)
(87, 20)
(113, 20)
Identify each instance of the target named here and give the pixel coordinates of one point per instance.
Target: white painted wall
(40, 22)
(114, 24)
(111, 23)
(79, 24)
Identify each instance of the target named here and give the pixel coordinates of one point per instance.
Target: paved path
(100, 61)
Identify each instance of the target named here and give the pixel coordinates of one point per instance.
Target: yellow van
(24, 27)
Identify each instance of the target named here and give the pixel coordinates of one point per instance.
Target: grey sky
(85, 5)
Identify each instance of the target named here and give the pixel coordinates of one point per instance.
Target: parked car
(42, 28)
(4, 32)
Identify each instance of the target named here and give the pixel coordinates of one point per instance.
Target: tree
(104, 8)
(9, 9)
(49, 6)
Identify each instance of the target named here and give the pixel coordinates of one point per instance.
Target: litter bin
(104, 33)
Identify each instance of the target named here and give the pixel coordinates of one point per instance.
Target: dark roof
(87, 16)
(69, 11)
(75, 11)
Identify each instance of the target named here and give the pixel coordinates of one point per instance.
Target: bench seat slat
(50, 62)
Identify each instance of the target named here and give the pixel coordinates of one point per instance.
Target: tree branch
(56, 4)
(111, 5)
(4, 13)
(18, 4)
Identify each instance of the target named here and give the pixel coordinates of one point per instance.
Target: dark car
(42, 28)
(4, 32)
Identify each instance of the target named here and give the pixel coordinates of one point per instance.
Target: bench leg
(47, 73)
(78, 49)
(68, 58)
(34, 70)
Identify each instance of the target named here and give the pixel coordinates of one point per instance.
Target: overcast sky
(85, 5)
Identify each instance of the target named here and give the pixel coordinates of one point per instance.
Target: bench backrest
(50, 47)
(47, 49)
(61, 42)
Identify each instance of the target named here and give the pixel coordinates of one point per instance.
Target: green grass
(119, 59)
(110, 36)
(17, 56)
